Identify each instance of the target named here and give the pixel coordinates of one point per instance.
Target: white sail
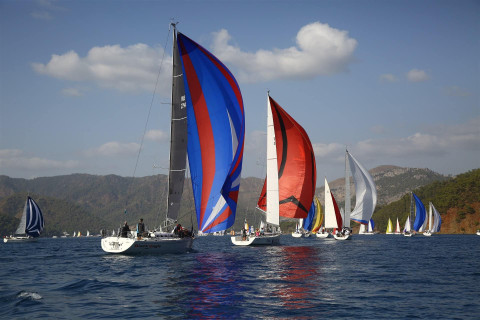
(362, 229)
(330, 218)
(273, 209)
(370, 229)
(23, 221)
(365, 191)
(397, 228)
(348, 207)
(407, 225)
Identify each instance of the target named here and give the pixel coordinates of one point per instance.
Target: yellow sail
(389, 226)
(318, 217)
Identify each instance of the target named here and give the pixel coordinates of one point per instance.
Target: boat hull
(19, 239)
(323, 235)
(266, 240)
(157, 245)
(297, 234)
(343, 237)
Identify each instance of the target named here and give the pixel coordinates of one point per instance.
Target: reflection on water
(299, 274)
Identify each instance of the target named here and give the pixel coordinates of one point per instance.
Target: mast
(273, 205)
(411, 210)
(347, 189)
(178, 136)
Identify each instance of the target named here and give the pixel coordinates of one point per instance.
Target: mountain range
(80, 202)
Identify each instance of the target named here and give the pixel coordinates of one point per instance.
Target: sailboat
(298, 229)
(365, 193)
(289, 187)
(205, 92)
(389, 227)
(397, 228)
(368, 230)
(31, 223)
(318, 228)
(308, 221)
(434, 222)
(417, 207)
(407, 230)
(333, 217)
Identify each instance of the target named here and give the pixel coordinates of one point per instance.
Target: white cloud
(42, 15)
(114, 148)
(74, 92)
(133, 68)
(156, 135)
(416, 75)
(456, 91)
(320, 50)
(378, 129)
(16, 159)
(388, 77)
(439, 140)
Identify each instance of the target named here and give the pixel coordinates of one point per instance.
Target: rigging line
(150, 109)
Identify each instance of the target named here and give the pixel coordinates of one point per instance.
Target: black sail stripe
(295, 201)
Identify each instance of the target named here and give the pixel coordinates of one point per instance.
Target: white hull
(323, 235)
(157, 245)
(256, 241)
(297, 234)
(389, 233)
(342, 237)
(478, 233)
(368, 233)
(408, 234)
(19, 239)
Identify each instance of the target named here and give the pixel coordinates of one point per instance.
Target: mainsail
(178, 137)
(365, 192)
(295, 165)
(32, 222)
(216, 133)
(333, 217)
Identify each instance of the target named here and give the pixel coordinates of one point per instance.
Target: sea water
(369, 277)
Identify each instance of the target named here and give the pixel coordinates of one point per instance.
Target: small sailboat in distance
(389, 227)
(31, 223)
(208, 126)
(434, 221)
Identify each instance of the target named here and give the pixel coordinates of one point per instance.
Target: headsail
(437, 220)
(216, 133)
(297, 172)
(420, 213)
(308, 221)
(32, 221)
(389, 226)
(318, 217)
(365, 192)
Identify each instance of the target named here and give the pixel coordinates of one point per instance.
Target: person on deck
(125, 230)
(140, 229)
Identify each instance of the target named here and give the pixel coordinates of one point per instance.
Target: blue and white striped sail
(365, 192)
(32, 222)
(437, 220)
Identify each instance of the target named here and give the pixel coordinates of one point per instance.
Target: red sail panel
(338, 215)
(297, 173)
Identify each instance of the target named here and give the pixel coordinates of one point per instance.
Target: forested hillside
(457, 200)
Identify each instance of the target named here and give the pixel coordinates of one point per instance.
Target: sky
(396, 82)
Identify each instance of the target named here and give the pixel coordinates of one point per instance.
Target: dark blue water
(370, 277)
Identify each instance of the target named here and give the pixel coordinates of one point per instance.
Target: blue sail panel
(420, 213)
(308, 221)
(216, 134)
(34, 219)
